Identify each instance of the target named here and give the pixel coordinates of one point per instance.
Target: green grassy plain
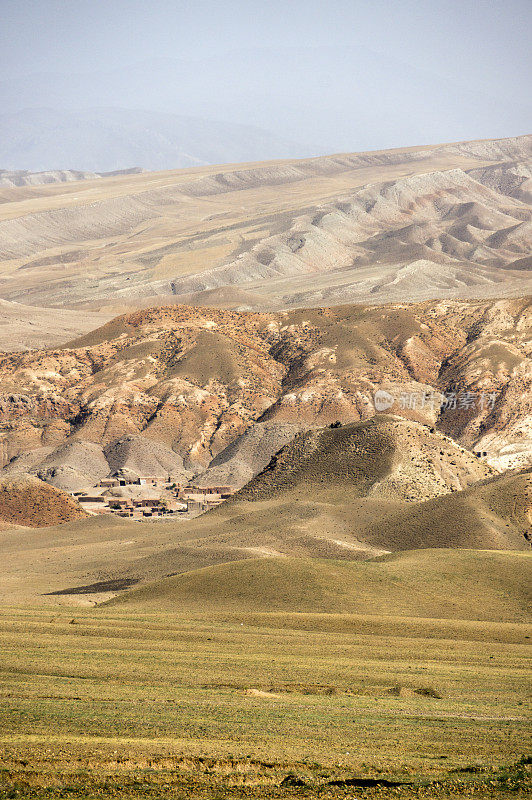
(121, 702)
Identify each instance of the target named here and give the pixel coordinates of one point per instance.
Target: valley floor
(107, 702)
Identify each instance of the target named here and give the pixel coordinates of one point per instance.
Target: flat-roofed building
(109, 482)
(92, 499)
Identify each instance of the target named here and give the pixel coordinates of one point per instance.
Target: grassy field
(121, 702)
(433, 583)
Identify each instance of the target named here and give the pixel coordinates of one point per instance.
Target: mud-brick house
(87, 498)
(149, 480)
(109, 482)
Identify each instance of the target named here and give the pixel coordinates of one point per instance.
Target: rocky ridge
(191, 381)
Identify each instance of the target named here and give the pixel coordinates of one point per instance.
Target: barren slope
(350, 494)
(241, 460)
(27, 501)
(384, 457)
(24, 327)
(380, 226)
(193, 380)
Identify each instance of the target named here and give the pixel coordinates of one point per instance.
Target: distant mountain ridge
(109, 139)
(409, 224)
(23, 177)
(339, 98)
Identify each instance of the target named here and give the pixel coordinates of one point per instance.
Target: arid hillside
(22, 177)
(360, 491)
(24, 327)
(400, 225)
(187, 383)
(27, 501)
(348, 494)
(384, 457)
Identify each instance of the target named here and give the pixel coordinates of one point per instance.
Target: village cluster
(151, 496)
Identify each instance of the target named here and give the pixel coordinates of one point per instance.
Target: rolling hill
(384, 457)
(344, 339)
(383, 486)
(265, 379)
(27, 501)
(408, 224)
(22, 177)
(360, 491)
(441, 584)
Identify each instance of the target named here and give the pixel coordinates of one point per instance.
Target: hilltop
(27, 501)
(384, 457)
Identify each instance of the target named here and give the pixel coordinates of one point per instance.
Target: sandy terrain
(24, 327)
(441, 221)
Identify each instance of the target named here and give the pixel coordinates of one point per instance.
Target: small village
(148, 497)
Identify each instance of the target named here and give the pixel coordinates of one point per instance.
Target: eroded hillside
(350, 494)
(28, 502)
(408, 224)
(192, 381)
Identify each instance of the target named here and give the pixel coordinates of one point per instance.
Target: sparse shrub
(293, 780)
(428, 691)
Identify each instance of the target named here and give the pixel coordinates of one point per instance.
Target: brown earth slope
(384, 457)
(27, 501)
(341, 496)
(24, 327)
(380, 485)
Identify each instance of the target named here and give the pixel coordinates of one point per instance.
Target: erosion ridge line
(192, 381)
(407, 224)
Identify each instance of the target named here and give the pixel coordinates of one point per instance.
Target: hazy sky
(338, 74)
(483, 42)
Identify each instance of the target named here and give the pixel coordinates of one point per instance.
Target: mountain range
(108, 139)
(334, 98)
(202, 390)
(410, 224)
